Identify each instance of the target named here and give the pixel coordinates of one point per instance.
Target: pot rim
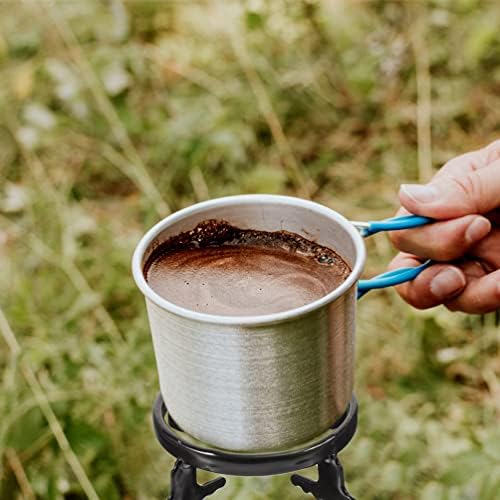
(263, 319)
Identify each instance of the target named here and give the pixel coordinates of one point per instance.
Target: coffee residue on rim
(217, 268)
(217, 233)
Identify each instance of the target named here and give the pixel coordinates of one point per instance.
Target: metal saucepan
(270, 382)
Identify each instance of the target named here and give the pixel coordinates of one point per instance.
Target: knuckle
(458, 163)
(471, 189)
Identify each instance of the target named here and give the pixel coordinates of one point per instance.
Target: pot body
(257, 383)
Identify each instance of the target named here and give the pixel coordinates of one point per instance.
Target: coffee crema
(217, 268)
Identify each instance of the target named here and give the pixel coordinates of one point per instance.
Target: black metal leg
(330, 484)
(185, 487)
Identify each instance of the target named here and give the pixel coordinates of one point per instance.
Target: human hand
(464, 196)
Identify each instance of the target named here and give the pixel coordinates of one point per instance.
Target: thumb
(474, 192)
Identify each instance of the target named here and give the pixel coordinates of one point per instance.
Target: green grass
(112, 115)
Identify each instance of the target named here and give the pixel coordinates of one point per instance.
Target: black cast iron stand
(191, 456)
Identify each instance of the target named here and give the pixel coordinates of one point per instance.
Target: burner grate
(192, 456)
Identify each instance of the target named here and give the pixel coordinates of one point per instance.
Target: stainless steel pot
(248, 383)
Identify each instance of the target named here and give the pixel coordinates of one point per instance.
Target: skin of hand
(464, 198)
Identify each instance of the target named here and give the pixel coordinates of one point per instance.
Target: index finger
(470, 162)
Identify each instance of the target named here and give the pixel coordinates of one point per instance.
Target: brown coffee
(219, 269)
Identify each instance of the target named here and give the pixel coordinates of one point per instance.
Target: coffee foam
(218, 268)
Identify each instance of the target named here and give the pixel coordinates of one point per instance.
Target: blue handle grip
(395, 224)
(391, 278)
(397, 276)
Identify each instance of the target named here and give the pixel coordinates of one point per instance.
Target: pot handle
(396, 276)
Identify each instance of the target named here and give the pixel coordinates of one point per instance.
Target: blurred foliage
(112, 114)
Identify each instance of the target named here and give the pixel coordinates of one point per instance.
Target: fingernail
(420, 193)
(477, 230)
(447, 283)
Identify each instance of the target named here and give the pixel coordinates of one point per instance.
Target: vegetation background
(113, 114)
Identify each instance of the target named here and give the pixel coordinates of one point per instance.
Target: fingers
(435, 285)
(480, 296)
(447, 240)
(469, 162)
(474, 192)
(466, 287)
(464, 189)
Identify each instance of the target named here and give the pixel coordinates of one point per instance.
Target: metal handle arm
(397, 276)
